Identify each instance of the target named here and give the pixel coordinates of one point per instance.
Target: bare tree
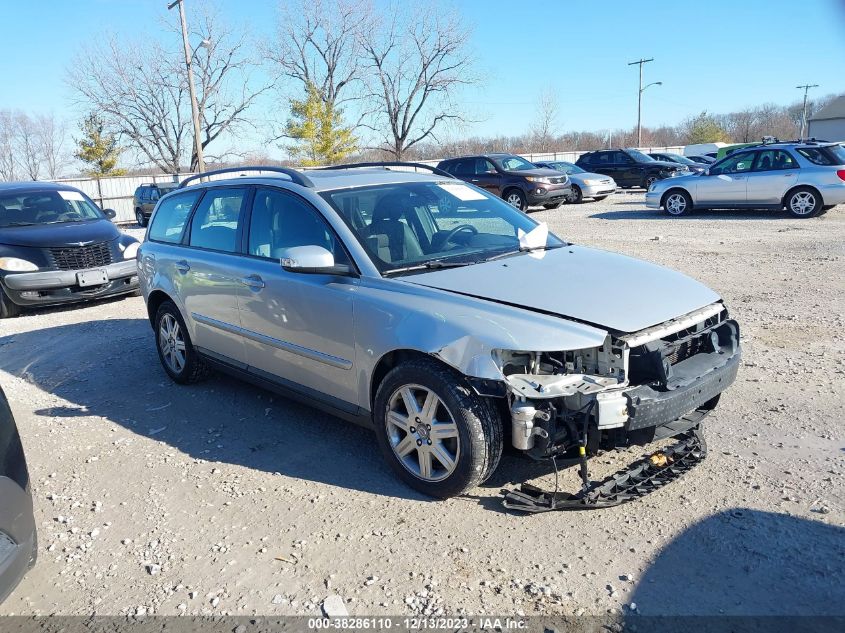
(8, 167)
(51, 137)
(416, 60)
(27, 149)
(317, 43)
(142, 91)
(546, 120)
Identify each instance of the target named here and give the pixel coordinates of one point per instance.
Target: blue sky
(716, 55)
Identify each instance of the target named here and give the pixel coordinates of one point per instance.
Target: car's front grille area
(557, 181)
(687, 349)
(81, 257)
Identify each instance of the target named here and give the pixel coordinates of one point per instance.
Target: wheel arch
(154, 301)
(393, 359)
(673, 189)
(792, 189)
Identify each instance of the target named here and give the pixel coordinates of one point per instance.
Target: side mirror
(111, 214)
(314, 260)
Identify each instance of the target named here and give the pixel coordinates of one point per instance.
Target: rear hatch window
(825, 155)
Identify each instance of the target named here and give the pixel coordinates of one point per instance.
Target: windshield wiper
(18, 224)
(523, 249)
(432, 265)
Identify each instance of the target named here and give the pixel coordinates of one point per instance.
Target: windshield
(568, 168)
(639, 156)
(414, 225)
(46, 207)
(677, 158)
(514, 163)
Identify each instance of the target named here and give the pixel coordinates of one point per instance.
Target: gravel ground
(222, 498)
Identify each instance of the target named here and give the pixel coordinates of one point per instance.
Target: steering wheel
(458, 229)
(67, 215)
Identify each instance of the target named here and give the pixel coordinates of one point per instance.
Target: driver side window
(280, 221)
(735, 164)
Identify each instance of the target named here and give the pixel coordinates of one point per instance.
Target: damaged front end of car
(634, 389)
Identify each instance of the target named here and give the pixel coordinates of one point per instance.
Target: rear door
(213, 272)
(602, 163)
(727, 182)
(298, 327)
(774, 172)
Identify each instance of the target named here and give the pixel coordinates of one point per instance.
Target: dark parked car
(518, 182)
(694, 167)
(629, 167)
(702, 160)
(57, 246)
(145, 198)
(18, 542)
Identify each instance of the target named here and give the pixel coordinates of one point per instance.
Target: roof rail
(294, 175)
(434, 170)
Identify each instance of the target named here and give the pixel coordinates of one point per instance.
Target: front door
(298, 327)
(727, 182)
(773, 174)
(487, 176)
(210, 271)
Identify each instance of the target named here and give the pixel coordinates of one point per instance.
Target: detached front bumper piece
(642, 477)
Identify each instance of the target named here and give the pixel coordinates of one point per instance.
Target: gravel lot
(222, 498)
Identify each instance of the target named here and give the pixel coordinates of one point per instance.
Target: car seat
(388, 234)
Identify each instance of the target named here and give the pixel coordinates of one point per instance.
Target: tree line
(336, 81)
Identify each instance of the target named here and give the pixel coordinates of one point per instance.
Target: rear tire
(424, 411)
(175, 349)
(8, 308)
(516, 199)
(803, 202)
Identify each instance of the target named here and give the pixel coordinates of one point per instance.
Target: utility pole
(806, 87)
(195, 111)
(640, 99)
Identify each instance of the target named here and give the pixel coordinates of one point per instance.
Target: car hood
(597, 287)
(590, 175)
(665, 163)
(64, 234)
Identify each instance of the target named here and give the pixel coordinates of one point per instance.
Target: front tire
(649, 181)
(599, 198)
(140, 219)
(175, 350)
(552, 205)
(516, 199)
(676, 203)
(435, 432)
(8, 308)
(803, 202)
(575, 196)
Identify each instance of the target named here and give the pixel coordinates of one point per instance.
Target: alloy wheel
(172, 343)
(802, 203)
(514, 200)
(676, 204)
(650, 181)
(422, 433)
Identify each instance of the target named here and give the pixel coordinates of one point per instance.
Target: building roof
(833, 110)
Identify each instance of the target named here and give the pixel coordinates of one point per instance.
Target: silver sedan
(805, 178)
(585, 184)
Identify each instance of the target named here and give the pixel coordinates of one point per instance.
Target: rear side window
(169, 220)
(832, 155)
(216, 220)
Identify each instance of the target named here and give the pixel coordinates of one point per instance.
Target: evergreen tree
(98, 148)
(317, 129)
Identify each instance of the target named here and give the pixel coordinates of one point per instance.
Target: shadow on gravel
(110, 369)
(654, 214)
(745, 562)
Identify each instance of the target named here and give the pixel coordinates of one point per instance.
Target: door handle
(253, 281)
(183, 266)
(474, 180)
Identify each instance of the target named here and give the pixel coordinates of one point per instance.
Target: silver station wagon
(433, 312)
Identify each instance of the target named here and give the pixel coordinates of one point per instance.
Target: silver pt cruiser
(432, 311)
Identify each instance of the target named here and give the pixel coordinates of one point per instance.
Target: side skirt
(288, 389)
